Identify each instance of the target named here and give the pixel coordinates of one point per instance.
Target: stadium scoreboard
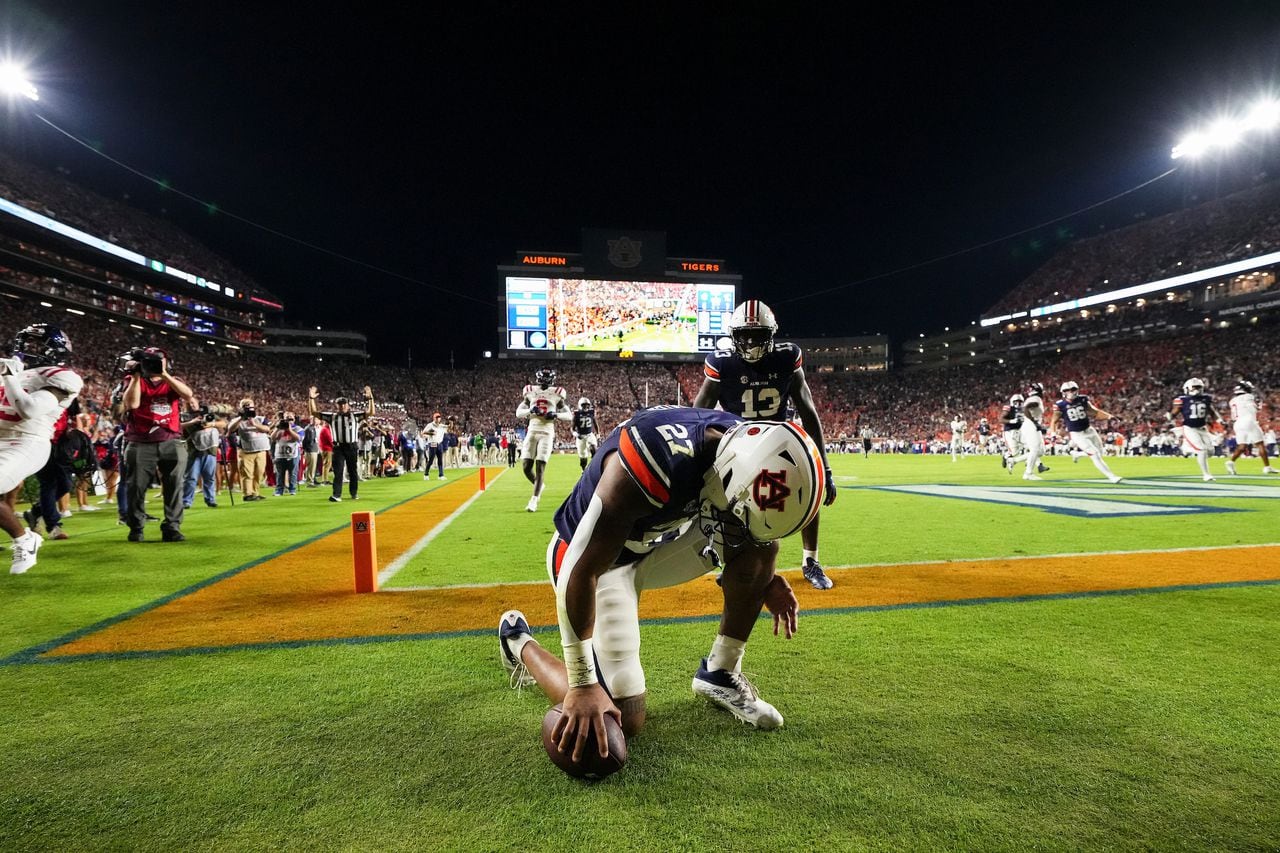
(621, 298)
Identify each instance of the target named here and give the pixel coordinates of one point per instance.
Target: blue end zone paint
(31, 654)
(672, 620)
(1183, 509)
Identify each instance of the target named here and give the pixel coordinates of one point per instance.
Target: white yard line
(403, 560)
(878, 565)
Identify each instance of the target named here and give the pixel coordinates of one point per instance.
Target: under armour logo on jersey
(771, 491)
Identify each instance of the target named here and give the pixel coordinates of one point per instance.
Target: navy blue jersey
(756, 391)
(584, 422)
(1195, 409)
(984, 429)
(1012, 418)
(666, 452)
(1075, 413)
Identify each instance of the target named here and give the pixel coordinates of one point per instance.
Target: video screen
(586, 315)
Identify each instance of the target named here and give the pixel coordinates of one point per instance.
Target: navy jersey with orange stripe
(666, 453)
(759, 390)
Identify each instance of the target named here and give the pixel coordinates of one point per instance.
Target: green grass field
(1129, 721)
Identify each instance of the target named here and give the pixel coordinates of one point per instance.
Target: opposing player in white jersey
(1196, 408)
(958, 427)
(584, 429)
(34, 390)
(543, 403)
(1031, 432)
(1074, 408)
(1244, 423)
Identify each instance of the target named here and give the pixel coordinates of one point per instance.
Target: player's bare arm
(813, 425)
(620, 504)
(708, 394)
(1098, 413)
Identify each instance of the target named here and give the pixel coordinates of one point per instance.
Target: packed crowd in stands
(1237, 226)
(1134, 381)
(59, 198)
(585, 314)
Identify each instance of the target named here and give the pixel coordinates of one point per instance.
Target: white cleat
(510, 626)
(24, 552)
(532, 505)
(1231, 468)
(1270, 470)
(733, 692)
(1032, 477)
(1208, 478)
(1115, 479)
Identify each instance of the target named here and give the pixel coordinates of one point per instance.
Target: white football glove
(11, 366)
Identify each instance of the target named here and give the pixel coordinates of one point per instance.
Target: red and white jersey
(551, 400)
(65, 384)
(1244, 408)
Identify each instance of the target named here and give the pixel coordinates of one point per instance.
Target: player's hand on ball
(782, 603)
(830, 489)
(584, 712)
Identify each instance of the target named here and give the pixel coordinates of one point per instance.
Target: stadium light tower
(14, 82)
(1262, 117)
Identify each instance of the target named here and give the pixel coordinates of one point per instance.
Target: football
(592, 765)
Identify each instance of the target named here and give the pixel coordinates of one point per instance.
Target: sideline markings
(297, 592)
(251, 611)
(417, 547)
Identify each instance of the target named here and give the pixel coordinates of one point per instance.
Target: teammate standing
(542, 403)
(36, 389)
(1074, 409)
(1244, 423)
(584, 427)
(958, 426)
(672, 492)
(1196, 408)
(754, 381)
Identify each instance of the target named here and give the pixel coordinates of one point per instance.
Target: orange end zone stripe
(261, 617)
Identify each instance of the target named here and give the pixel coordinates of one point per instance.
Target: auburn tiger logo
(771, 490)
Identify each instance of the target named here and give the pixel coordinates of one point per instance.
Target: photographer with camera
(346, 425)
(288, 446)
(254, 438)
(154, 436)
(204, 434)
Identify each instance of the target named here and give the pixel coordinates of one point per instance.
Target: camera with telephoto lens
(208, 416)
(247, 412)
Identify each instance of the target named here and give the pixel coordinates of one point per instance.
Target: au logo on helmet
(770, 490)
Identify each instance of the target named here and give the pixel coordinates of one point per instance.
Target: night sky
(808, 150)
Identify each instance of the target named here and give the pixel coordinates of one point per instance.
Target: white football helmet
(583, 404)
(767, 477)
(1193, 386)
(1016, 400)
(1069, 390)
(1244, 386)
(752, 327)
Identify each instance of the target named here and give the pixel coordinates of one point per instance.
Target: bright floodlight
(1193, 145)
(1224, 133)
(1264, 115)
(14, 82)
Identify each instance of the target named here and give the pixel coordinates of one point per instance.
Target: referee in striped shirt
(345, 426)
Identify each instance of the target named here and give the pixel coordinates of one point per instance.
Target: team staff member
(433, 438)
(255, 440)
(155, 442)
(345, 425)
